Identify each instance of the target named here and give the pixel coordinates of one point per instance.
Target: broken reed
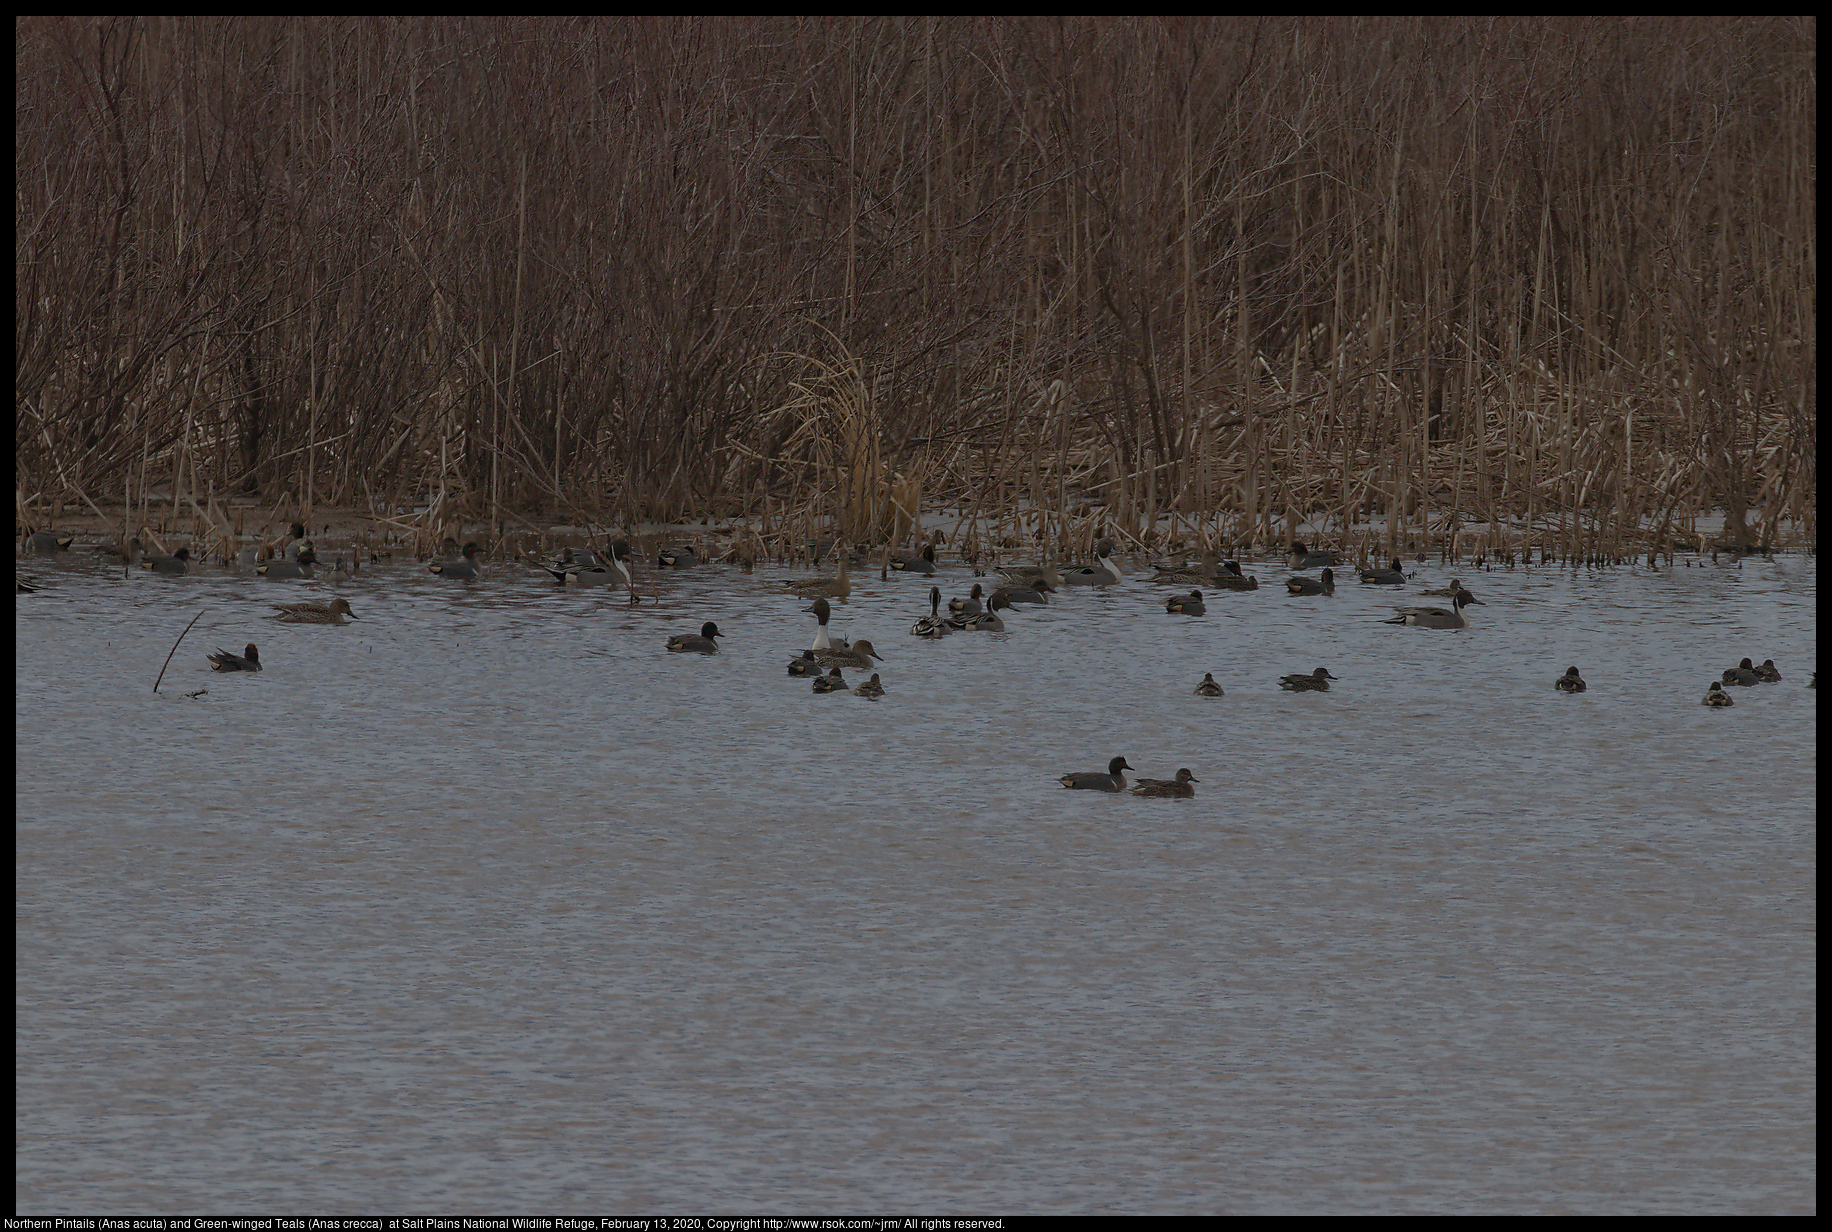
(1229, 273)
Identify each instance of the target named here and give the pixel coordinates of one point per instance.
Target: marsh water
(486, 903)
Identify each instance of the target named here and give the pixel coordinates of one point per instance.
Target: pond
(487, 903)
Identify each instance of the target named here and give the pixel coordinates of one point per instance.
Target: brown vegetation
(1064, 271)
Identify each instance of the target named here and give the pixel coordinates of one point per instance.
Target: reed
(1204, 279)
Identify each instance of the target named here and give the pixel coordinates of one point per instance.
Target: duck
(129, 555)
(923, 562)
(1103, 572)
(299, 568)
(696, 643)
(1436, 617)
(1715, 695)
(1187, 605)
(331, 613)
(859, 654)
(1032, 575)
(294, 543)
(1326, 585)
(1017, 592)
(837, 586)
(1113, 780)
(175, 565)
(1449, 592)
(934, 624)
(464, 570)
(676, 558)
(1208, 687)
(1396, 576)
(248, 661)
(822, 612)
(1186, 574)
(1303, 558)
(832, 682)
(24, 586)
(804, 665)
(1229, 577)
(970, 606)
(1570, 682)
(1316, 682)
(871, 688)
(987, 621)
(1768, 673)
(1173, 789)
(1743, 673)
(48, 541)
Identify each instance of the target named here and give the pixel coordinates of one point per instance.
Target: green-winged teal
(1103, 572)
(1396, 576)
(923, 562)
(1168, 789)
(1316, 682)
(1208, 687)
(1229, 577)
(677, 558)
(970, 606)
(1187, 605)
(934, 624)
(696, 643)
(804, 665)
(1324, 585)
(47, 541)
(832, 682)
(331, 613)
(1570, 682)
(1768, 673)
(1715, 695)
(1017, 592)
(1303, 558)
(1436, 617)
(1743, 673)
(871, 688)
(248, 661)
(466, 569)
(175, 565)
(1113, 780)
(301, 567)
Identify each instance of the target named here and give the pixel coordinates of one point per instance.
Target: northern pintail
(23, 586)
(1768, 673)
(1325, 585)
(804, 665)
(696, 643)
(331, 613)
(177, 564)
(47, 541)
(1186, 605)
(837, 586)
(1113, 780)
(987, 621)
(832, 682)
(1208, 687)
(822, 612)
(934, 624)
(1302, 557)
(1570, 682)
(970, 606)
(587, 568)
(1396, 576)
(1316, 682)
(871, 688)
(281, 569)
(860, 654)
(1103, 572)
(1436, 617)
(466, 569)
(1168, 789)
(248, 661)
(676, 558)
(1715, 695)
(1743, 673)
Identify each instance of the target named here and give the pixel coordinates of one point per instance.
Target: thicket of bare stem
(1231, 272)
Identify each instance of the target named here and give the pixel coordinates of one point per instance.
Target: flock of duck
(826, 659)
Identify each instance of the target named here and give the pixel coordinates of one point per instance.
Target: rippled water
(487, 903)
